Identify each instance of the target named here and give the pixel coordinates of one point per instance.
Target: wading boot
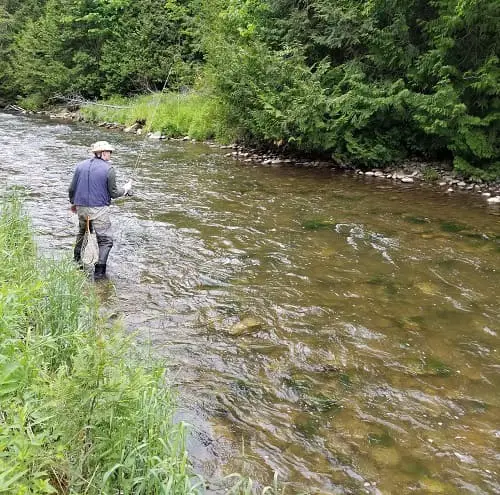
(99, 272)
(79, 264)
(77, 258)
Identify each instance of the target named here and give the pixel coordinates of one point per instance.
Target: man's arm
(72, 187)
(114, 191)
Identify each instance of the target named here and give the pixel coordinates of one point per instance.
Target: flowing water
(340, 331)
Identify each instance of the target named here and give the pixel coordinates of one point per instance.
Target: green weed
(173, 114)
(430, 174)
(452, 227)
(316, 224)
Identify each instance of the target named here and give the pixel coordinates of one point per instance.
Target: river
(339, 330)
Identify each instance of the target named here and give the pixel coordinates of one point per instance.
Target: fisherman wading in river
(90, 192)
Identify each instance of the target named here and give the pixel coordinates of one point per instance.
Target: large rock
(246, 325)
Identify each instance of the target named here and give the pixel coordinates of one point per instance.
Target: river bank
(416, 172)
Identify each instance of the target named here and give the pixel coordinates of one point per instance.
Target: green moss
(345, 380)
(416, 220)
(307, 425)
(382, 439)
(420, 320)
(452, 227)
(473, 405)
(448, 264)
(437, 367)
(299, 385)
(377, 280)
(389, 285)
(321, 403)
(317, 224)
(414, 467)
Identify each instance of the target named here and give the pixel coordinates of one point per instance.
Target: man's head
(102, 149)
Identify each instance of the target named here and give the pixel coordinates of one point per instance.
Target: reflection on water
(341, 332)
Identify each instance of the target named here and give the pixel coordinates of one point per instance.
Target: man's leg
(77, 253)
(105, 244)
(102, 227)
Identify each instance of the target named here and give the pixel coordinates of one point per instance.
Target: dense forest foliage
(368, 82)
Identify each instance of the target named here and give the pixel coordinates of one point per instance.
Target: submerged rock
(386, 456)
(246, 325)
(436, 486)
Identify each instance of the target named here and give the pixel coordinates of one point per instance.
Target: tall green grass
(80, 410)
(192, 114)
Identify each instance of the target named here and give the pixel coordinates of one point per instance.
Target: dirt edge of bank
(408, 172)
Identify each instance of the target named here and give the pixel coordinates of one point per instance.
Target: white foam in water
(357, 235)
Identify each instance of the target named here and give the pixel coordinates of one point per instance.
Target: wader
(101, 224)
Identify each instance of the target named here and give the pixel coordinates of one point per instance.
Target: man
(90, 192)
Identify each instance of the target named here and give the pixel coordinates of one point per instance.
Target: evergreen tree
(151, 45)
(367, 81)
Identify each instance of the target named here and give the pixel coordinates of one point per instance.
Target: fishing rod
(155, 109)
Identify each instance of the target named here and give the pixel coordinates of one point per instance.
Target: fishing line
(155, 109)
(134, 173)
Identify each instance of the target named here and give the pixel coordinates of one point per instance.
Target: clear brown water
(375, 366)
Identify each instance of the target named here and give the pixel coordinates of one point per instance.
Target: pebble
(408, 171)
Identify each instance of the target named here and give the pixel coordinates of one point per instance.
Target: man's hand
(127, 187)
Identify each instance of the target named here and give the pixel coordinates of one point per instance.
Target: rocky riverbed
(415, 172)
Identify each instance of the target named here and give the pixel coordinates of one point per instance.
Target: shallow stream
(342, 331)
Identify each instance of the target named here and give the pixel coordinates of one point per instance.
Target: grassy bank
(80, 411)
(174, 114)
